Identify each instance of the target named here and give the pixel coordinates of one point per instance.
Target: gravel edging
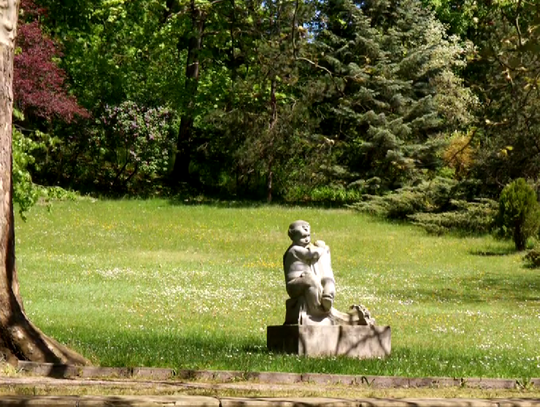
(224, 376)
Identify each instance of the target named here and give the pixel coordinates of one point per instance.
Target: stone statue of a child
(308, 275)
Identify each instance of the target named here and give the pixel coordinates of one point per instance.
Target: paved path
(158, 381)
(36, 384)
(200, 401)
(223, 376)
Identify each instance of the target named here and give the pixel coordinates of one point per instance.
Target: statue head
(8, 20)
(300, 233)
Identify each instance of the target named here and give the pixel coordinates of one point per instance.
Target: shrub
(439, 206)
(470, 217)
(326, 195)
(25, 193)
(519, 213)
(428, 196)
(532, 258)
(459, 154)
(134, 146)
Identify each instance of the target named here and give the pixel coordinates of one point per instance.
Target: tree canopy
(288, 99)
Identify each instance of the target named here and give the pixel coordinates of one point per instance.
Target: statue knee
(310, 280)
(329, 286)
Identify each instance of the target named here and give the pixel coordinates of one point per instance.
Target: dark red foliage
(38, 83)
(31, 10)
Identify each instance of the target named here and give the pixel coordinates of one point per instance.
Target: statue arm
(319, 249)
(308, 254)
(320, 243)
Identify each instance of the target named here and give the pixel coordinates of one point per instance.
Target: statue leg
(294, 307)
(324, 268)
(309, 287)
(329, 292)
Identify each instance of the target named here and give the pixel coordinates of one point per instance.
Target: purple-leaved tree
(38, 82)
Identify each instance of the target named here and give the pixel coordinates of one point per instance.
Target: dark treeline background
(334, 101)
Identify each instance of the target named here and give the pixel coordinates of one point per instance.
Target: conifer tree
(391, 90)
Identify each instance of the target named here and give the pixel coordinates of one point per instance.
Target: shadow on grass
(497, 251)
(520, 287)
(532, 266)
(252, 348)
(249, 355)
(218, 201)
(442, 295)
(215, 203)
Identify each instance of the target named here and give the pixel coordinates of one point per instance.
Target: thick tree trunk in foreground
(19, 338)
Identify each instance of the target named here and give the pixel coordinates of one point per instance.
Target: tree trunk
(185, 134)
(270, 150)
(19, 338)
(519, 237)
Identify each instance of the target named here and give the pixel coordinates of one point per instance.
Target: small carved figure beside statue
(313, 327)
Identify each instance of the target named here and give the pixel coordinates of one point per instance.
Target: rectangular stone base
(358, 341)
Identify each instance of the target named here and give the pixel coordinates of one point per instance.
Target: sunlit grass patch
(149, 283)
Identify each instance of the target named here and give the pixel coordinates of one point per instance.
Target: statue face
(8, 19)
(301, 234)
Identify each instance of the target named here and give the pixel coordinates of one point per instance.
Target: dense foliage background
(429, 103)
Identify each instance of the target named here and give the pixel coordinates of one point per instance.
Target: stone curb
(200, 401)
(150, 373)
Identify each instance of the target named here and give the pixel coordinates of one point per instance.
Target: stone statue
(310, 283)
(313, 327)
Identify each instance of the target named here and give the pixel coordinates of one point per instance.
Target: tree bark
(19, 338)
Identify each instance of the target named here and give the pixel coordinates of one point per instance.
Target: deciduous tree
(19, 338)
(506, 75)
(39, 84)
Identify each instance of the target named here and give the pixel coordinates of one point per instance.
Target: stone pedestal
(360, 341)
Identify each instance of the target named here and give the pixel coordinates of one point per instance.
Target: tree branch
(315, 64)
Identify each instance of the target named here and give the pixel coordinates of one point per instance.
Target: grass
(153, 283)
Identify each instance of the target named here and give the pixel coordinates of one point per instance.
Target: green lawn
(151, 283)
